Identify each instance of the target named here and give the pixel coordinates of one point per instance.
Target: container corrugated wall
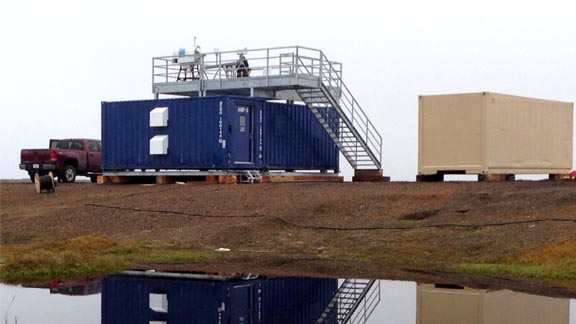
(216, 133)
(125, 299)
(296, 300)
(192, 130)
(293, 139)
(490, 133)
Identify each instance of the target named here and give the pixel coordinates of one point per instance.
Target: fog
(60, 59)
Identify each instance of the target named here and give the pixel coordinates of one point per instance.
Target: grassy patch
(177, 256)
(518, 270)
(83, 256)
(467, 235)
(559, 254)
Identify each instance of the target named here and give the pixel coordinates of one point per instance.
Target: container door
(241, 305)
(242, 135)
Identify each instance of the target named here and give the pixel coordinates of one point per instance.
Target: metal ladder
(353, 303)
(343, 119)
(251, 176)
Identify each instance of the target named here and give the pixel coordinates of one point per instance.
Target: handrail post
(297, 61)
(166, 70)
(152, 73)
(267, 66)
(330, 74)
(321, 73)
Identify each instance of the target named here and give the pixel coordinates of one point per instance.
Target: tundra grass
(518, 271)
(80, 257)
(555, 262)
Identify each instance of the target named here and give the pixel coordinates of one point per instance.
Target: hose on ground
(336, 228)
(376, 228)
(162, 211)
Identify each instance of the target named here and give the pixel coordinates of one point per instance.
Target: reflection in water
(150, 297)
(34, 305)
(156, 298)
(80, 287)
(453, 304)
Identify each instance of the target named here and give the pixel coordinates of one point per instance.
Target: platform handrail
(264, 63)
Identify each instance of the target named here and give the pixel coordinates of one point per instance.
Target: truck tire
(69, 174)
(93, 178)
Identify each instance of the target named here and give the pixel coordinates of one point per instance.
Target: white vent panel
(159, 145)
(159, 117)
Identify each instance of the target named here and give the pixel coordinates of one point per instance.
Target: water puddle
(161, 298)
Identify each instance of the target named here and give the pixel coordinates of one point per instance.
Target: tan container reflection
(489, 133)
(474, 306)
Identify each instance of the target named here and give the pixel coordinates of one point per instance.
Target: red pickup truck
(66, 158)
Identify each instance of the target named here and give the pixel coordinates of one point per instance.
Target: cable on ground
(162, 211)
(336, 228)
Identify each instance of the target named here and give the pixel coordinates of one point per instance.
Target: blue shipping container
(129, 299)
(216, 133)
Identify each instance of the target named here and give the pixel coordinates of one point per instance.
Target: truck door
(94, 156)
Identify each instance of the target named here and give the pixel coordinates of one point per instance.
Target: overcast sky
(60, 59)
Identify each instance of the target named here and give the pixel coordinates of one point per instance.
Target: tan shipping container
(490, 133)
(476, 306)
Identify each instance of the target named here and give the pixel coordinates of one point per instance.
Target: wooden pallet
(439, 177)
(369, 176)
(302, 178)
(213, 179)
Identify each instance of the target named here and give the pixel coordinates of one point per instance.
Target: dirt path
(518, 235)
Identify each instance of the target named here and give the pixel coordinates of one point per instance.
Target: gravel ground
(406, 231)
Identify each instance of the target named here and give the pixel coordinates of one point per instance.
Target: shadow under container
(493, 135)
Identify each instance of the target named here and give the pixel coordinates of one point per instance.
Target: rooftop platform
(272, 73)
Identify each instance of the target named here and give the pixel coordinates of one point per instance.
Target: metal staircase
(251, 176)
(353, 303)
(343, 119)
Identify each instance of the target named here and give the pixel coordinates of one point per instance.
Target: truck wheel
(69, 174)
